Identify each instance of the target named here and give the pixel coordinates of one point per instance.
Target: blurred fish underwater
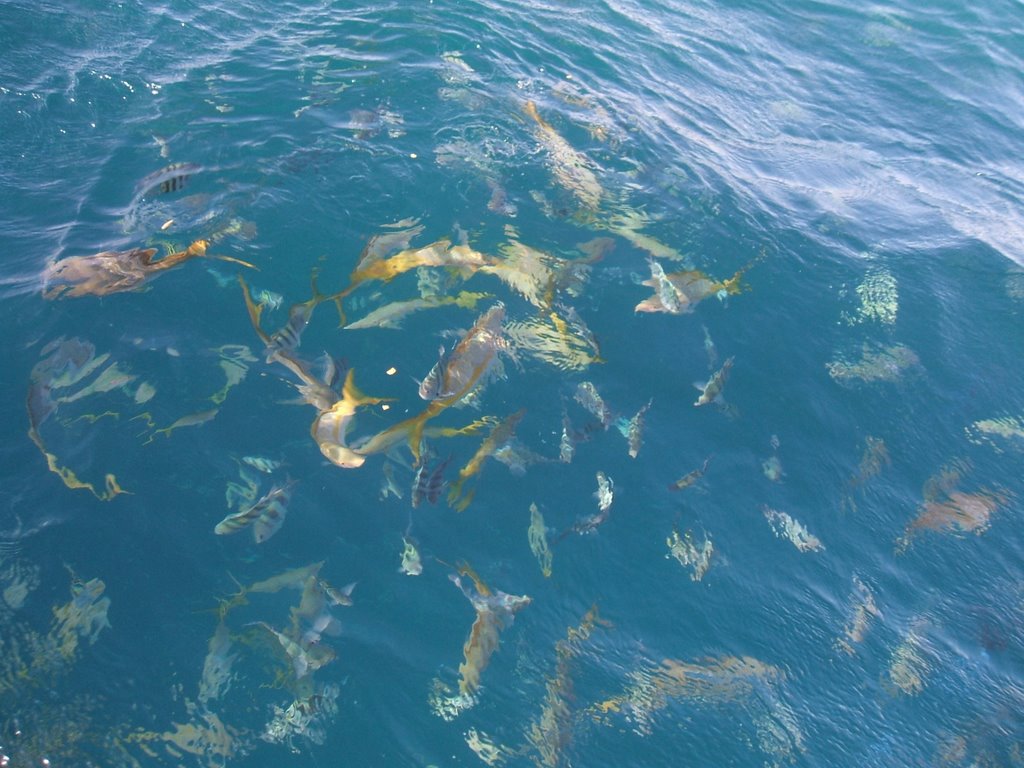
(682, 341)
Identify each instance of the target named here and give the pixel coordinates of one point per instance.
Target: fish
(266, 515)
(497, 437)
(538, 538)
(273, 512)
(772, 469)
(517, 457)
(111, 271)
(564, 343)
(330, 429)
(389, 486)
(499, 202)
(190, 420)
(684, 549)
(690, 477)
(323, 624)
(411, 565)
(671, 299)
(957, 512)
(336, 596)
(430, 387)
(710, 349)
(292, 649)
(440, 253)
(453, 371)
(786, 527)
(679, 293)
(268, 299)
(632, 429)
(711, 392)
(391, 315)
(287, 338)
(429, 485)
(170, 178)
(495, 611)
(588, 396)
(551, 733)
(604, 494)
(472, 357)
(216, 678)
(864, 608)
(262, 463)
(571, 168)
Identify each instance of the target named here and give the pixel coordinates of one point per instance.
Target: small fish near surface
(494, 612)
(428, 485)
(265, 516)
(170, 178)
(498, 437)
(711, 392)
(632, 429)
(604, 494)
(115, 271)
(690, 477)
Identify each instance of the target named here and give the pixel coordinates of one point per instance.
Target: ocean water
(825, 201)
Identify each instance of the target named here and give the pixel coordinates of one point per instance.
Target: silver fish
(266, 515)
(168, 179)
(632, 429)
(587, 396)
(431, 385)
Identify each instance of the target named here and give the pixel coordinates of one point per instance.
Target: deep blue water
(861, 167)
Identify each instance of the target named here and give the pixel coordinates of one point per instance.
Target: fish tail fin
(255, 311)
(734, 284)
(197, 248)
(233, 260)
(462, 504)
(352, 395)
(454, 491)
(530, 108)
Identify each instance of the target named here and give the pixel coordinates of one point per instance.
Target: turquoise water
(834, 194)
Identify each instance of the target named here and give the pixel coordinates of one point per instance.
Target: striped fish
(272, 515)
(287, 338)
(170, 178)
(429, 486)
(266, 515)
(430, 387)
